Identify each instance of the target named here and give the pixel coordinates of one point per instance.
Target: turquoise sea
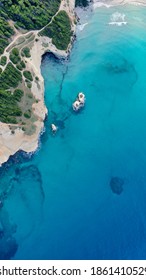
(82, 195)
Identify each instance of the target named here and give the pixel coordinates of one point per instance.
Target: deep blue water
(83, 194)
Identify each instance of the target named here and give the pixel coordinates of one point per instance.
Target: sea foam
(117, 19)
(81, 26)
(100, 4)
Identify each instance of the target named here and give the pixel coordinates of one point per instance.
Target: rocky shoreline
(10, 143)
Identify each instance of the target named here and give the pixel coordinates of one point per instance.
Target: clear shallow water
(59, 204)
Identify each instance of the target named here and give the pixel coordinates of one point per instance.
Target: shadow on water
(121, 66)
(21, 186)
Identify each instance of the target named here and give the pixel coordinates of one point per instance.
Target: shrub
(27, 114)
(15, 51)
(28, 75)
(30, 95)
(29, 84)
(21, 65)
(8, 107)
(10, 77)
(26, 52)
(16, 26)
(17, 94)
(30, 14)
(3, 44)
(3, 60)
(59, 30)
(6, 31)
(3, 14)
(14, 56)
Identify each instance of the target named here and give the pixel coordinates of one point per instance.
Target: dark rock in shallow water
(118, 69)
(116, 185)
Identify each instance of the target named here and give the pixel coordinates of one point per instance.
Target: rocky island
(28, 29)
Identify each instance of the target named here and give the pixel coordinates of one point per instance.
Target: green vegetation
(26, 52)
(3, 44)
(17, 94)
(14, 56)
(82, 3)
(16, 26)
(29, 84)
(30, 95)
(3, 15)
(10, 77)
(59, 30)
(30, 14)
(28, 75)
(16, 98)
(6, 31)
(9, 108)
(21, 65)
(27, 114)
(3, 60)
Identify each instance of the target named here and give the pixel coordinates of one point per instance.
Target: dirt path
(63, 6)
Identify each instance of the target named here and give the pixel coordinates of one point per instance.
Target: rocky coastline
(10, 143)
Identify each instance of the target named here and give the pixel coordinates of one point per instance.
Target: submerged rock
(116, 185)
(118, 69)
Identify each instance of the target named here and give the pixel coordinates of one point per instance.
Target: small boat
(54, 128)
(79, 102)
